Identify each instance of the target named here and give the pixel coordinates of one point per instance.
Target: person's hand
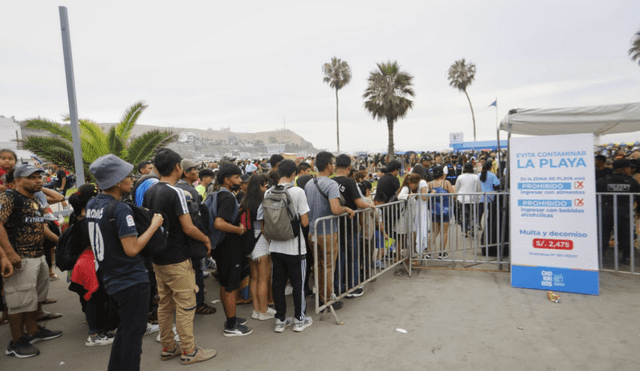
(15, 260)
(208, 245)
(2, 188)
(6, 268)
(350, 212)
(157, 220)
(242, 230)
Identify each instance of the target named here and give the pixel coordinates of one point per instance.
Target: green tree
(387, 96)
(337, 74)
(96, 142)
(634, 52)
(461, 75)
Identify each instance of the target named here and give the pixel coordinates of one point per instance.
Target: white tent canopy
(599, 120)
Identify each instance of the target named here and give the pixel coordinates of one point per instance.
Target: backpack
(211, 203)
(132, 195)
(142, 217)
(67, 243)
(281, 222)
(199, 217)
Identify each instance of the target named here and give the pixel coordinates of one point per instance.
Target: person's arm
(63, 183)
(450, 188)
(132, 245)
(224, 226)
(50, 235)
(11, 254)
(6, 268)
(53, 197)
(192, 231)
(336, 209)
(304, 220)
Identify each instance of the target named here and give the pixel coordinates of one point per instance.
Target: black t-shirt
(348, 190)
(303, 180)
(169, 200)
(60, 174)
(602, 173)
(388, 185)
(617, 183)
(226, 207)
(239, 196)
(182, 184)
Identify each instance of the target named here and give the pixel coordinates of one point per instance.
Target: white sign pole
(553, 214)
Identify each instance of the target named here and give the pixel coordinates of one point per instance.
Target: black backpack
(142, 217)
(67, 243)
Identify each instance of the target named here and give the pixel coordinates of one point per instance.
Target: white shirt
(290, 247)
(468, 183)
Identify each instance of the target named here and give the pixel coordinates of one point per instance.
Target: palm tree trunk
(390, 151)
(472, 115)
(337, 122)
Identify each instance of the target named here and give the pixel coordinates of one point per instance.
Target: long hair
(485, 167)
(410, 179)
(254, 196)
(80, 198)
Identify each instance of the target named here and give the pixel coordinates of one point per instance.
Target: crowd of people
(228, 216)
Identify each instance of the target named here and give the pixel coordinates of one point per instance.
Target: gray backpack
(281, 222)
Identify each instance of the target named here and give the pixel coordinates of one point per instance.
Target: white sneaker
(254, 314)
(269, 314)
(281, 325)
(176, 337)
(288, 290)
(98, 340)
(151, 329)
(299, 326)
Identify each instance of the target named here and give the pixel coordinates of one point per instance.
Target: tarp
(479, 145)
(599, 120)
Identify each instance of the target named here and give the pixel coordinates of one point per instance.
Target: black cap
(621, 164)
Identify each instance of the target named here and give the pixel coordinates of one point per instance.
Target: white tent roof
(599, 120)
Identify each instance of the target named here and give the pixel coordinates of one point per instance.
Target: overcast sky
(251, 65)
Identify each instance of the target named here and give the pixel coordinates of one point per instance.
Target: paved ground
(454, 320)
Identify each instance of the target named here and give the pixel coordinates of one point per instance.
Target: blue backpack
(211, 202)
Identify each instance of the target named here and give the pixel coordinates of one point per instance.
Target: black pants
(624, 228)
(197, 266)
(291, 267)
(100, 311)
(133, 307)
(153, 284)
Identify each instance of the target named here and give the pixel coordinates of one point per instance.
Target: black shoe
(42, 335)
(337, 305)
(356, 293)
(21, 349)
(242, 321)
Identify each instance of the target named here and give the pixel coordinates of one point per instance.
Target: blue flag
(495, 103)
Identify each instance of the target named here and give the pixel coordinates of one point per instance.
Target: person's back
(319, 206)
(468, 183)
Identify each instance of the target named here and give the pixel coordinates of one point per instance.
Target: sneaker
(21, 349)
(151, 329)
(300, 325)
(356, 293)
(206, 274)
(42, 335)
(242, 321)
(198, 355)
(443, 255)
(281, 325)
(211, 264)
(269, 314)
(176, 337)
(237, 330)
(98, 340)
(288, 290)
(168, 354)
(254, 314)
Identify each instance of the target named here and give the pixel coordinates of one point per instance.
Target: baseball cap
(26, 170)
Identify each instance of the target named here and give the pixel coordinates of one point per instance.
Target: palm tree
(95, 142)
(387, 96)
(337, 74)
(461, 75)
(634, 52)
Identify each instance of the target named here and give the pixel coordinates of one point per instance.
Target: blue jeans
(348, 269)
(133, 307)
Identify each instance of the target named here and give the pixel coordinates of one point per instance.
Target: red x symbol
(579, 201)
(578, 185)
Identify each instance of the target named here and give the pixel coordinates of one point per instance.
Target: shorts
(28, 286)
(230, 261)
(261, 249)
(436, 218)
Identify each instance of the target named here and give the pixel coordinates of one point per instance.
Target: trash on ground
(401, 330)
(520, 328)
(215, 301)
(555, 298)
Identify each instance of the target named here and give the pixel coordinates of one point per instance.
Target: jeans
(133, 307)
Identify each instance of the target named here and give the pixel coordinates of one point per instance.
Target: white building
(10, 135)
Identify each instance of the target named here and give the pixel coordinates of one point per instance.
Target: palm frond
(634, 52)
(145, 146)
(128, 121)
(50, 126)
(116, 146)
(337, 73)
(54, 150)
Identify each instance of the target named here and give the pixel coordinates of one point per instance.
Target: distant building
(274, 148)
(10, 135)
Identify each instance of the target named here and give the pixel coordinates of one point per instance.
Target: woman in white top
(468, 182)
(422, 216)
(410, 185)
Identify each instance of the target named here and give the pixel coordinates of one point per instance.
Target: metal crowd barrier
(471, 229)
(411, 232)
(361, 249)
(618, 231)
